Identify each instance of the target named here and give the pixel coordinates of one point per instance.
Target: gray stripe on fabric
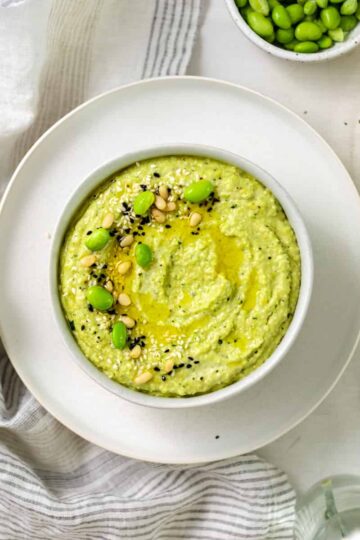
(176, 41)
(162, 20)
(170, 31)
(185, 39)
(151, 37)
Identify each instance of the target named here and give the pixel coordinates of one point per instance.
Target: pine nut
(171, 206)
(164, 192)
(124, 267)
(88, 261)
(124, 299)
(160, 203)
(195, 219)
(143, 378)
(169, 364)
(128, 321)
(108, 221)
(109, 286)
(127, 240)
(158, 215)
(135, 352)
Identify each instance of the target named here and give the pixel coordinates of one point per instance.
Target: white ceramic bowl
(339, 49)
(95, 179)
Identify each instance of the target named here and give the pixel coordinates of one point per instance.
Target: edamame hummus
(179, 276)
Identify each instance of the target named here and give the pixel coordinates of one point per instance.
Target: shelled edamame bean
(302, 26)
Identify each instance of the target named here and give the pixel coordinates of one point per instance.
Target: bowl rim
(322, 56)
(94, 180)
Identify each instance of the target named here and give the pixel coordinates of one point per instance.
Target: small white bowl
(339, 49)
(94, 180)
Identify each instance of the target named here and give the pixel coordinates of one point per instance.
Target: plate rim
(89, 435)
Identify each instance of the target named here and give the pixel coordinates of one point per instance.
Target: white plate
(185, 110)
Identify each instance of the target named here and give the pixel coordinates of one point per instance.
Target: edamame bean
(321, 25)
(281, 17)
(337, 34)
(199, 191)
(308, 31)
(271, 38)
(119, 335)
(296, 13)
(310, 7)
(349, 7)
(142, 202)
(143, 255)
(99, 298)
(260, 6)
(245, 12)
(98, 239)
(273, 3)
(285, 36)
(306, 47)
(290, 46)
(322, 3)
(241, 3)
(325, 42)
(348, 22)
(330, 17)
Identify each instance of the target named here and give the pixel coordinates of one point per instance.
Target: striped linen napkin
(54, 54)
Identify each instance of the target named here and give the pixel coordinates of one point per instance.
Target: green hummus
(217, 297)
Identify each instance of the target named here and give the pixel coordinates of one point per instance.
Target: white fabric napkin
(54, 54)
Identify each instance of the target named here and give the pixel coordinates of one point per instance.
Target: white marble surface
(328, 96)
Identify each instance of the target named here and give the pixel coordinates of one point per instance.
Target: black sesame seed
(143, 186)
(181, 365)
(157, 175)
(197, 362)
(269, 258)
(163, 378)
(167, 350)
(156, 368)
(176, 366)
(167, 226)
(104, 266)
(112, 233)
(188, 366)
(201, 378)
(141, 228)
(90, 308)
(111, 311)
(72, 325)
(127, 230)
(83, 327)
(217, 436)
(170, 372)
(220, 341)
(142, 234)
(190, 358)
